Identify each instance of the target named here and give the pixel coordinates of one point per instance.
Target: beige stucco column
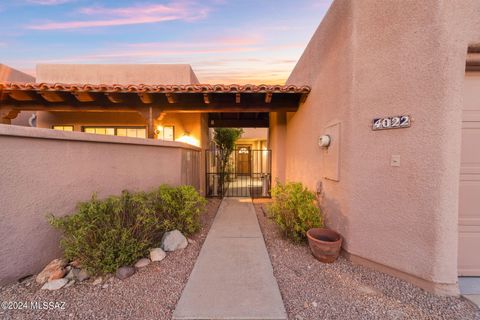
(277, 140)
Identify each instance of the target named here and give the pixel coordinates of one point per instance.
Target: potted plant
(325, 244)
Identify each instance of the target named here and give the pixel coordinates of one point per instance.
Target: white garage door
(469, 198)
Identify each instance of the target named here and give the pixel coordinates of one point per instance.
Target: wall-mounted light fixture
(324, 141)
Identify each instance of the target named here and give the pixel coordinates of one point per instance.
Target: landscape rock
(97, 281)
(57, 274)
(55, 284)
(71, 274)
(124, 272)
(174, 240)
(157, 254)
(142, 263)
(82, 275)
(54, 266)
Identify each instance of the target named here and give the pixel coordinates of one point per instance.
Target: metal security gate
(247, 174)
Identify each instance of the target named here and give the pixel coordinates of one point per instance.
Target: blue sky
(225, 41)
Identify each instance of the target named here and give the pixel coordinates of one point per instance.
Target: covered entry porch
(188, 111)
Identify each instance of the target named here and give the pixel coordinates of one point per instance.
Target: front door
(243, 161)
(469, 193)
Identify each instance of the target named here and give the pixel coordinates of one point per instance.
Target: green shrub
(177, 208)
(107, 234)
(295, 210)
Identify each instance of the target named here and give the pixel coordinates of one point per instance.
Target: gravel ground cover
(343, 290)
(151, 293)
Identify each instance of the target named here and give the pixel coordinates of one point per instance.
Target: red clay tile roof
(193, 88)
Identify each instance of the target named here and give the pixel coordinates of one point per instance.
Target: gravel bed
(151, 293)
(343, 290)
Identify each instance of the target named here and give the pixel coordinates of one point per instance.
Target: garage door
(469, 197)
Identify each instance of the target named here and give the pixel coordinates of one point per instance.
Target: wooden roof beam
(206, 98)
(145, 97)
(83, 96)
(171, 98)
(51, 96)
(237, 97)
(268, 97)
(22, 95)
(114, 97)
(303, 97)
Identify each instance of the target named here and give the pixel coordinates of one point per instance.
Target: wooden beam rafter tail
(145, 97)
(268, 97)
(206, 98)
(114, 97)
(21, 95)
(83, 96)
(237, 97)
(170, 98)
(51, 96)
(303, 97)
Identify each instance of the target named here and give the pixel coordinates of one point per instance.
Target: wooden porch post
(150, 115)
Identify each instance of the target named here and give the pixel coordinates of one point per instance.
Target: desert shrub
(107, 234)
(295, 210)
(177, 208)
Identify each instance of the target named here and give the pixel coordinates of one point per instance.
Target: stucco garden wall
(45, 171)
(386, 58)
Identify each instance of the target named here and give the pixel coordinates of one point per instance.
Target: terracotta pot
(325, 244)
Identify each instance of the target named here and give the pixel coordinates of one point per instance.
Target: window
(63, 128)
(169, 133)
(135, 132)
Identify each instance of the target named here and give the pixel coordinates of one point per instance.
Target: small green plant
(104, 235)
(295, 210)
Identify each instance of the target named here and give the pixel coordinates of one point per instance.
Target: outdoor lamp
(324, 141)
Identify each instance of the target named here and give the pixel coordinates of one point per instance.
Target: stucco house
(394, 84)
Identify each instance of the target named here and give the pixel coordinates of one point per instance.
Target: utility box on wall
(331, 157)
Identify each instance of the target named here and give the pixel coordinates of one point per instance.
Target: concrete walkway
(233, 277)
(470, 289)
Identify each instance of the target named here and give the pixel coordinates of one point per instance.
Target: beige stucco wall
(45, 171)
(8, 74)
(385, 58)
(152, 74)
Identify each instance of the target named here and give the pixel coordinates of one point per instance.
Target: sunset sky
(225, 41)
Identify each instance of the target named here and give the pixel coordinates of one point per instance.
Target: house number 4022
(391, 122)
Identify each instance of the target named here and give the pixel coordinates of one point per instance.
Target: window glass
(132, 132)
(141, 133)
(122, 132)
(169, 133)
(63, 128)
